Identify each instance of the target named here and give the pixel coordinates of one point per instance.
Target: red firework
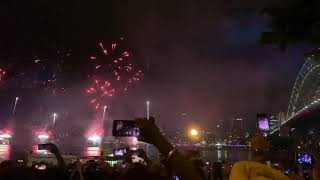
(114, 63)
(99, 92)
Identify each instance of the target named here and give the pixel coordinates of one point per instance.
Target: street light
(194, 136)
(193, 132)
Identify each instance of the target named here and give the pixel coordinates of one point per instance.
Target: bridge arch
(306, 90)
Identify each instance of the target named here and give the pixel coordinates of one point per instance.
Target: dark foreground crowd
(173, 165)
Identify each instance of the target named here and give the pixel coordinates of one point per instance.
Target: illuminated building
(237, 127)
(274, 123)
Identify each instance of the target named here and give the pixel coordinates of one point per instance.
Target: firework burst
(98, 92)
(114, 63)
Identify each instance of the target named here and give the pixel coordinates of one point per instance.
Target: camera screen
(40, 166)
(119, 152)
(304, 158)
(125, 128)
(263, 122)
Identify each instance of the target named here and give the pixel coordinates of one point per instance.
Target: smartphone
(119, 152)
(263, 122)
(175, 177)
(304, 158)
(41, 166)
(43, 146)
(286, 172)
(137, 159)
(125, 128)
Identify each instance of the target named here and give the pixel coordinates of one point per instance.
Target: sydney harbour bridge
(304, 105)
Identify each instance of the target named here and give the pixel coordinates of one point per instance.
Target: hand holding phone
(151, 134)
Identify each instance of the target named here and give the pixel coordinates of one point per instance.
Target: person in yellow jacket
(251, 170)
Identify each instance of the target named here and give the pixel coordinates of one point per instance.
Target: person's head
(14, 173)
(140, 172)
(197, 163)
(7, 164)
(259, 156)
(155, 168)
(90, 175)
(158, 169)
(92, 171)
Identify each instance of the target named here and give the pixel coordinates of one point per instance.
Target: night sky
(200, 57)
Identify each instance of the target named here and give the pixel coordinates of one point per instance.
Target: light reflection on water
(231, 154)
(4, 152)
(92, 151)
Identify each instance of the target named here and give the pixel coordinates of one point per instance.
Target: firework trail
(2, 74)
